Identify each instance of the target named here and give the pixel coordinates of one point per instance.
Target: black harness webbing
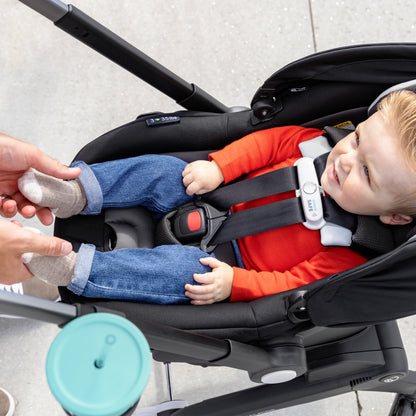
(271, 183)
(260, 219)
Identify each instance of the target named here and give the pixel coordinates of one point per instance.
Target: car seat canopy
(334, 80)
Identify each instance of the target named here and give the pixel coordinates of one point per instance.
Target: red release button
(194, 221)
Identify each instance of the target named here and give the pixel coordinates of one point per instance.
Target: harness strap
(271, 183)
(334, 214)
(264, 218)
(259, 219)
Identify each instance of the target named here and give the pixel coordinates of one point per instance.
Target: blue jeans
(155, 275)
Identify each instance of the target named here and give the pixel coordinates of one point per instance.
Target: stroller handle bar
(96, 36)
(51, 9)
(36, 308)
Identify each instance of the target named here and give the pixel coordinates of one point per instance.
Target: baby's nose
(346, 161)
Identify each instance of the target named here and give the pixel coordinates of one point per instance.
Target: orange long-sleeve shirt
(287, 257)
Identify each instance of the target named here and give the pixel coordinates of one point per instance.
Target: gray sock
(65, 198)
(58, 271)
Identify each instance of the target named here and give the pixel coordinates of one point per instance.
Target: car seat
(335, 335)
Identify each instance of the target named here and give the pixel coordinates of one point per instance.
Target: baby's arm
(201, 176)
(215, 285)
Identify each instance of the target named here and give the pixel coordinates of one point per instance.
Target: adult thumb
(45, 164)
(49, 246)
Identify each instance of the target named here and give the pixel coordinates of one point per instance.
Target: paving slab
(340, 23)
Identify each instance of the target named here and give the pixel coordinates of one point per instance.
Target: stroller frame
(359, 359)
(327, 360)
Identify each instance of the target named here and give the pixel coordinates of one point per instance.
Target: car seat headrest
(392, 235)
(373, 238)
(408, 85)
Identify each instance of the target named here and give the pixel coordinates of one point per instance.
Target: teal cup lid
(98, 365)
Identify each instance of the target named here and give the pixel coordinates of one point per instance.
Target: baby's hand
(202, 176)
(215, 285)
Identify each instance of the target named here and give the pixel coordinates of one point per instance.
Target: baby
(371, 171)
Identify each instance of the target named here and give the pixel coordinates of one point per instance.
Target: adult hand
(215, 285)
(16, 157)
(201, 176)
(16, 240)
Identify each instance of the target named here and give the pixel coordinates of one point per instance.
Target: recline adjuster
(297, 310)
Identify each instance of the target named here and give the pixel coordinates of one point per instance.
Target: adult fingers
(24, 206)
(18, 273)
(45, 216)
(8, 207)
(28, 209)
(11, 204)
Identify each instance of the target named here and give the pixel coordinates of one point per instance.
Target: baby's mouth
(333, 175)
(336, 175)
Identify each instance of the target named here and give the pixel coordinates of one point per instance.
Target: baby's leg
(154, 275)
(152, 181)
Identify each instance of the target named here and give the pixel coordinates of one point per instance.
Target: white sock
(64, 197)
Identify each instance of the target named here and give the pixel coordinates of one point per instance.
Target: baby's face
(365, 171)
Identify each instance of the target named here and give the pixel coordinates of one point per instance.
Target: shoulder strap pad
(315, 147)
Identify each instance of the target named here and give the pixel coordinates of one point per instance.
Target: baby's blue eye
(366, 172)
(357, 140)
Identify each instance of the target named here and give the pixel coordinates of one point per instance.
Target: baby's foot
(57, 271)
(65, 198)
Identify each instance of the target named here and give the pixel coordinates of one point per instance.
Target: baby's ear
(396, 219)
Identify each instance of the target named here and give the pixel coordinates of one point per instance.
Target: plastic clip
(310, 193)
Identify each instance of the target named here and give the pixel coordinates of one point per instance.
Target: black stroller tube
(96, 36)
(51, 9)
(36, 308)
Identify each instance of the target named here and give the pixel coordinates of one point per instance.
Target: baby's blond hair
(399, 110)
